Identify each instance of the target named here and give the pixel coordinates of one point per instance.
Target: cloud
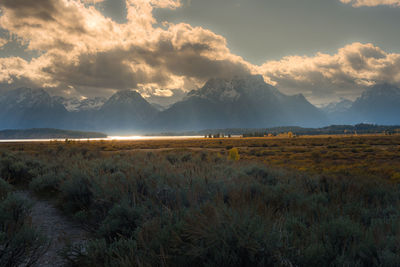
(82, 52)
(372, 3)
(3, 42)
(82, 49)
(93, 1)
(325, 76)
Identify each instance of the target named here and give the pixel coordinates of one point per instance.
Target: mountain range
(241, 102)
(379, 104)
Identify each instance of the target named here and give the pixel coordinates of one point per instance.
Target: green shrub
(48, 183)
(186, 157)
(184, 208)
(263, 174)
(18, 169)
(5, 188)
(98, 252)
(172, 158)
(76, 194)
(121, 221)
(20, 244)
(227, 237)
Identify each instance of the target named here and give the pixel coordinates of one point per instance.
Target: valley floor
(307, 201)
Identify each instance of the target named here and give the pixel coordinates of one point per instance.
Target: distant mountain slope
(27, 108)
(378, 104)
(338, 112)
(241, 102)
(338, 107)
(246, 102)
(125, 110)
(45, 133)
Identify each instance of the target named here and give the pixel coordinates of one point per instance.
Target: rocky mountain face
(27, 108)
(125, 110)
(76, 105)
(35, 108)
(241, 102)
(338, 107)
(338, 112)
(379, 104)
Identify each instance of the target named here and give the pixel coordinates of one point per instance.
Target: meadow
(306, 201)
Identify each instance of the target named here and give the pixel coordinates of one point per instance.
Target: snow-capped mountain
(125, 110)
(75, 104)
(27, 108)
(26, 98)
(338, 107)
(378, 104)
(238, 103)
(231, 90)
(338, 112)
(241, 102)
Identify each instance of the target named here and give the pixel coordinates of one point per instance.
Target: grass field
(307, 201)
(370, 155)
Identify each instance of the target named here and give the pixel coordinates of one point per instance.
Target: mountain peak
(340, 106)
(223, 90)
(27, 97)
(125, 97)
(74, 104)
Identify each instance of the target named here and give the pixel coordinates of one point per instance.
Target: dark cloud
(83, 52)
(372, 3)
(41, 9)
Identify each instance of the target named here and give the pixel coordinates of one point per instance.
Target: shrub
(14, 169)
(5, 188)
(263, 174)
(20, 244)
(46, 184)
(98, 252)
(121, 221)
(226, 237)
(76, 194)
(186, 157)
(17, 169)
(172, 158)
(234, 154)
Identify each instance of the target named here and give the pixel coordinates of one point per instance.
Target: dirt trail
(59, 230)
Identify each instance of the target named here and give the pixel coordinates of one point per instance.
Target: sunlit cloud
(93, 1)
(345, 73)
(84, 49)
(82, 52)
(372, 3)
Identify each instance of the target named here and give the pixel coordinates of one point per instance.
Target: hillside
(46, 133)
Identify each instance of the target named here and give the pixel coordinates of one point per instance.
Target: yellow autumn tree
(234, 154)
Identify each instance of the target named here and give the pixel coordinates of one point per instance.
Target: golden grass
(376, 155)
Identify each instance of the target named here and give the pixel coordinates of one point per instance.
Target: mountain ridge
(240, 102)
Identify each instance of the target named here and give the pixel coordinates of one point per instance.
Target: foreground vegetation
(220, 202)
(20, 243)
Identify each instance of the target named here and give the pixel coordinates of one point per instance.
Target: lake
(109, 138)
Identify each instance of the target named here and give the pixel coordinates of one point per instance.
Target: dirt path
(56, 227)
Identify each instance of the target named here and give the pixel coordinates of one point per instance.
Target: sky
(324, 49)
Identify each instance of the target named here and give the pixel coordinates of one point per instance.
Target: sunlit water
(109, 138)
